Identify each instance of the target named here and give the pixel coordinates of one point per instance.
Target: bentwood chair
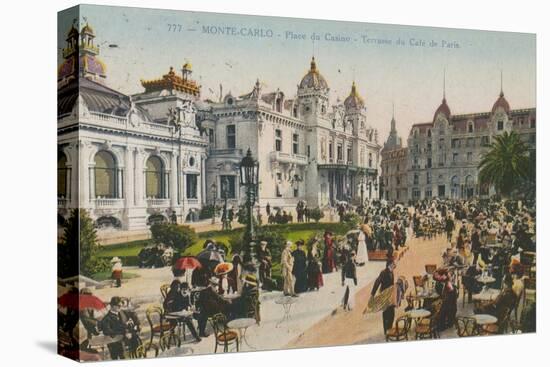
(400, 331)
(465, 326)
(223, 335)
(427, 330)
(157, 323)
(142, 351)
(164, 290)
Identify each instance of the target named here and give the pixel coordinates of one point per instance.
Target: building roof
(171, 81)
(354, 100)
(501, 102)
(313, 78)
(444, 109)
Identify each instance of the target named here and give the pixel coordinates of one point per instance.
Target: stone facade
(164, 153)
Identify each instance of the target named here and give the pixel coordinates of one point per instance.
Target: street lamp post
(225, 188)
(249, 179)
(214, 190)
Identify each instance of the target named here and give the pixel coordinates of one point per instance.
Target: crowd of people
(490, 238)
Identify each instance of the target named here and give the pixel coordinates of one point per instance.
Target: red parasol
(78, 301)
(223, 268)
(187, 263)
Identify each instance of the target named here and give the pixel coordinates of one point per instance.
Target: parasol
(210, 255)
(78, 301)
(223, 268)
(187, 263)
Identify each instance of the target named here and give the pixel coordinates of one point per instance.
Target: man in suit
(385, 280)
(112, 325)
(209, 303)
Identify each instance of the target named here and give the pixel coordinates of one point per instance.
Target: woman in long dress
(362, 255)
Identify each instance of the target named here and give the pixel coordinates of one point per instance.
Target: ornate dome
(92, 65)
(501, 102)
(313, 79)
(87, 30)
(354, 100)
(444, 109)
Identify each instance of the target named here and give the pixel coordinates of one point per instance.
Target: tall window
(231, 136)
(330, 154)
(295, 143)
(278, 140)
(469, 156)
(470, 127)
(279, 104)
(370, 160)
(105, 175)
(154, 178)
(230, 189)
(191, 186)
(415, 179)
(429, 163)
(339, 153)
(62, 175)
(349, 155)
(455, 157)
(428, 177)
(211, 136)
(500, 125)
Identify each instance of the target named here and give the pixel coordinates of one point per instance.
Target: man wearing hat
(209, 303)
(264, 257)
(300, 267)
(385, 280)
(112, 325)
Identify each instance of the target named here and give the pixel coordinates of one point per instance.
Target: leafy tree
(506, 163)
(78, 247)
(174, 235)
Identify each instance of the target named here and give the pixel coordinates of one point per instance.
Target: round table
(242, 325)
(484, 319)
(485, 279)
(286, 302)
(179, 316)
(419, 313)
(101, 341)
(486, 295)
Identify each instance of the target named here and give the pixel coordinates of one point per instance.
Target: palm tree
(506, 164)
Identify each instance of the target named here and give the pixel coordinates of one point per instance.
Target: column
(91, 174)
(129, 182)
(140, 182)
(84, 176)
(173, 180)
(203, 180)
(120, 192)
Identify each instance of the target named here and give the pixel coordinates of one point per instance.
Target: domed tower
(90, 66)
(313, 93)
(500, 113)
(67, 71)
(354, 105)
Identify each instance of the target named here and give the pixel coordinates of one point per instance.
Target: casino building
(307, 149)
(128, 160)
(162, 154)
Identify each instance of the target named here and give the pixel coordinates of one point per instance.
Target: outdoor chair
(223, 335)
(168, 340)
(164, 290)
(157, 322)
(142, 350)
(427, 328)
(400, 331)
(418, 282)
(465, 326)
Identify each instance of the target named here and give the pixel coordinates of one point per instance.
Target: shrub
(208, 211)
(352, 219)
(316, 214)
(177, 236)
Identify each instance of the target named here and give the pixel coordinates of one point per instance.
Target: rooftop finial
(444, 72)
(501, 89)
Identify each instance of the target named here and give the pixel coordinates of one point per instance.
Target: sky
(140, 44)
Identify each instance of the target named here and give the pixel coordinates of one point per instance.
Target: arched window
(455, 185)
(279, 104)
(62, 170)
(105, 175)
(154, 178)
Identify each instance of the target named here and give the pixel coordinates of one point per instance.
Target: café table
(242, 326)
(485, 279)
(486, 295)
(231, 296)
(101, 341)
(484, 319)
(286, 302)
(179, 316)
(418, 314)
